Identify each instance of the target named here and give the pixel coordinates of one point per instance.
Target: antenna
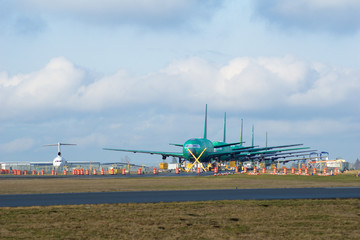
(205, 125)
(224, 137)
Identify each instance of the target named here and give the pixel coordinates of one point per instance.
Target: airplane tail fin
(266, 142)
(224, 137)
(205, 125)
(241, 133)
(252, 142)
(58, 145)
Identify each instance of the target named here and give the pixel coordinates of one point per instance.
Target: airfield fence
(12, 168)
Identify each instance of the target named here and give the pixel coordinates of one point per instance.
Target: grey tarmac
(27, 200)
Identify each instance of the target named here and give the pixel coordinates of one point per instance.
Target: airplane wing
(220, 145)
(250, 153)
(284, 155)
(271, 152)
(293, 154)
(271, 147)
(176, 144)
(164, 154)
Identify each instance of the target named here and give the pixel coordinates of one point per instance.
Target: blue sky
(137, 74)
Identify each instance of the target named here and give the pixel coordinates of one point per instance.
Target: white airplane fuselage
(59, 161)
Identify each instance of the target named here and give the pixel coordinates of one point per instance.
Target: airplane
(200, 150)
(242, 153)
(194, 150)
(59, 161)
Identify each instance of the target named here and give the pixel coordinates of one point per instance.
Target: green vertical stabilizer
(241, 132)
(224, 137)
(252, 141)
(205, 125)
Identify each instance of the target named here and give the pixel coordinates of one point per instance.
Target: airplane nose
(193, 151)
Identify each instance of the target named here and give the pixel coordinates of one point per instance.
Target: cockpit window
(192, 146)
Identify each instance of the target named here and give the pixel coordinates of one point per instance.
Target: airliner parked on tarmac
(59, 161)
(203, 150)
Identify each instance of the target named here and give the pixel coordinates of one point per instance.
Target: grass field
(286, 219)
(275, 219)
(56, 185)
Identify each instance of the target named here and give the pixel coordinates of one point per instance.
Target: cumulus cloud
(242, 84)
(143, 12)
(332, 85)
(51, 87)
(339, 16)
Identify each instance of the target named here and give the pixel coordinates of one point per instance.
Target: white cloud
(332, 86)
(327, 15)
(263, 82)
(242, 84)
(51, 87)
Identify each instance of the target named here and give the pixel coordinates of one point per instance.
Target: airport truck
(248, 165)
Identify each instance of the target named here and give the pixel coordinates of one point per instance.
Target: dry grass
(61, 185)
(287, 219)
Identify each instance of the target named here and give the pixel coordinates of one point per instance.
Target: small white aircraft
(59, 161)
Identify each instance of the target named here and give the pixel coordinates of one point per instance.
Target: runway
(26, 200)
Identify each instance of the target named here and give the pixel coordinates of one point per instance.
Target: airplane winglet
(176, 144)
